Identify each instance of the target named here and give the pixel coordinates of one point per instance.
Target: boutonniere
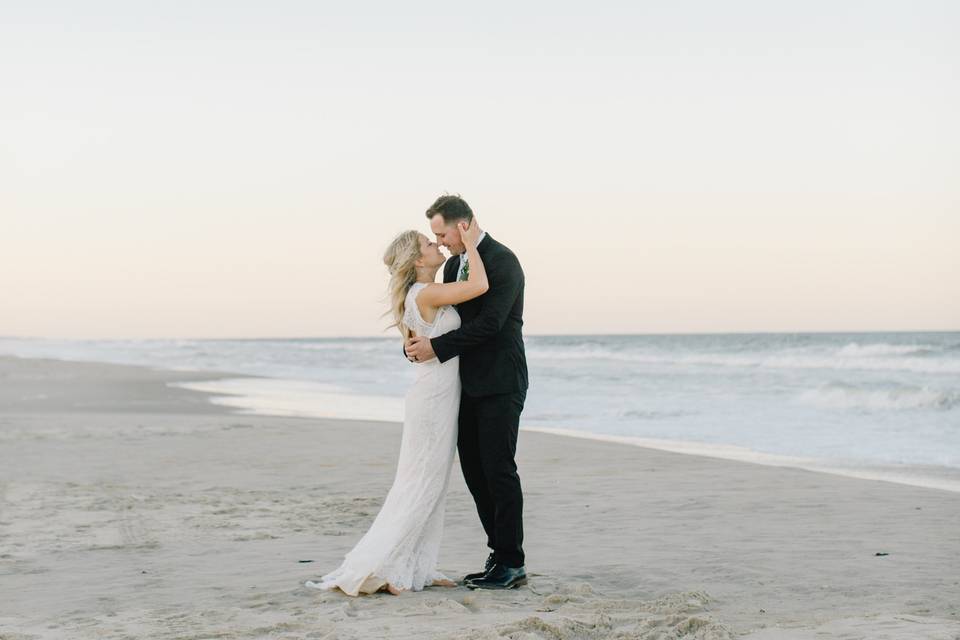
(466, 272)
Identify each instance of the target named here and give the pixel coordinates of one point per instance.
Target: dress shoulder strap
(411, 314)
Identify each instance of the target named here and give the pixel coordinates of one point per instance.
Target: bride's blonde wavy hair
(399, 258)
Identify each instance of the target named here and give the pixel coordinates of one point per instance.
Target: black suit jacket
(490, 338)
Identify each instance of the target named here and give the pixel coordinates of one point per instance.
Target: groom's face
(447, 235)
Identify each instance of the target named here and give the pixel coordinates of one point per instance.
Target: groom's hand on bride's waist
(419, 349)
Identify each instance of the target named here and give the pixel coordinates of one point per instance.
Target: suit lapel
(450, 269)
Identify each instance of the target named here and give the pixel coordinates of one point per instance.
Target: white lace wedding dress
(403, 543)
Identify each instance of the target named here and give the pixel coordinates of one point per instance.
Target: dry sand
(130, 509)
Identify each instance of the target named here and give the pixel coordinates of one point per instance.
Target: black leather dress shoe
(499, 577)
(486, 567)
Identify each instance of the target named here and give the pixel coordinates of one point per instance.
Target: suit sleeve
(506, 281)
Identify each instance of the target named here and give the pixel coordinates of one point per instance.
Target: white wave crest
(841, 396)
(358, 346)
(782, 360)
(855, 350)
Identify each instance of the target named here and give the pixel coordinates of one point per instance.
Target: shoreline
(253, 400)
(222, 390)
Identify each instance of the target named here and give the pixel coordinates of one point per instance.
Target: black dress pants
(487, 444)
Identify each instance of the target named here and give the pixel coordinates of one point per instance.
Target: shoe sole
(518, 583)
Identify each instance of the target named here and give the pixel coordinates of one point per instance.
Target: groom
(493, 376)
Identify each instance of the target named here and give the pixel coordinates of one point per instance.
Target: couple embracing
(464, 336)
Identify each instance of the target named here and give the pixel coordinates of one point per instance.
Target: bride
(400, 549)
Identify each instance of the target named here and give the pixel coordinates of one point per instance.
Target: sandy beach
(133, 509)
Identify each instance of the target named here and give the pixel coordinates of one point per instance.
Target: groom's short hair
(451, 208)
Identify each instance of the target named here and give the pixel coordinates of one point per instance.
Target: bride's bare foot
(443, 583)
(394, 590)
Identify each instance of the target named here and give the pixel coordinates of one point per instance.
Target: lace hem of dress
(354, 585)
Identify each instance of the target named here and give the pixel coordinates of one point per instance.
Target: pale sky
(235, 169)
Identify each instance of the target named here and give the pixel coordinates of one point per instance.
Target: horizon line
(526, 335)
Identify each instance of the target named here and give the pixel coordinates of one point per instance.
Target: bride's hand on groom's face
(419, 349)
(469, 231)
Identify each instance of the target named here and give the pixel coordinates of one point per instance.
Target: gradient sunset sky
(235, 169)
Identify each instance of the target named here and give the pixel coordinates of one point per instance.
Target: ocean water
(871, 404)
